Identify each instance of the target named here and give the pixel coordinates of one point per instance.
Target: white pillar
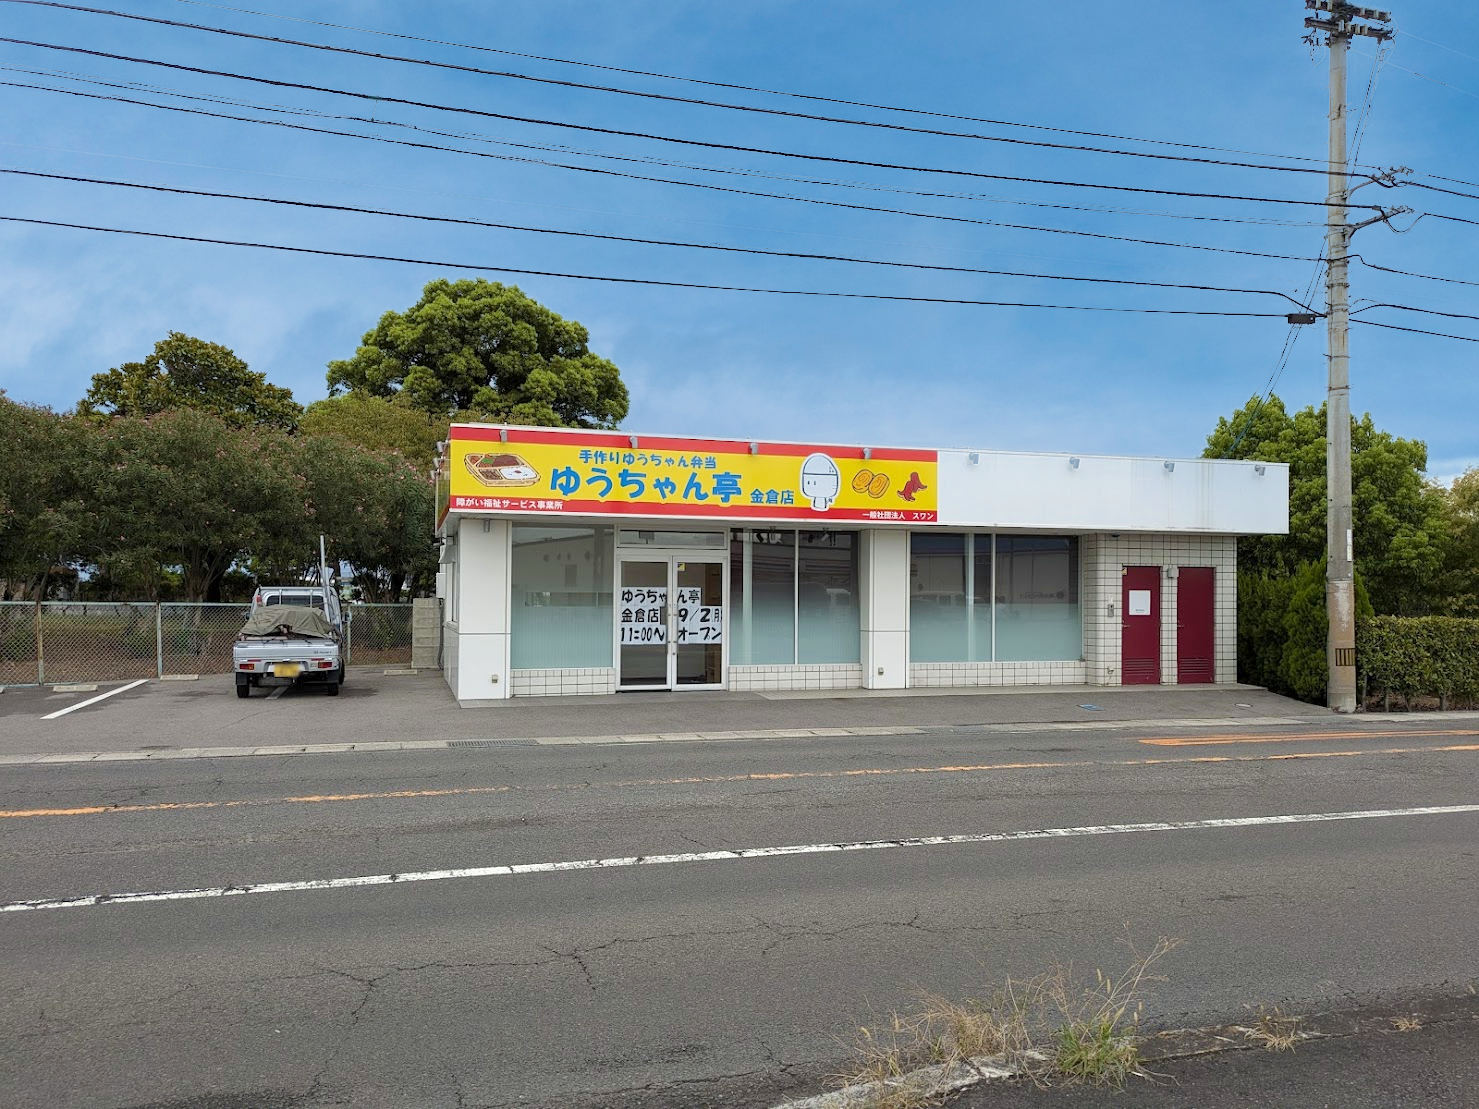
(884, 569)
(483, 553)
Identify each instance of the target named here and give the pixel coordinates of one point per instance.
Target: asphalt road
(726, 981)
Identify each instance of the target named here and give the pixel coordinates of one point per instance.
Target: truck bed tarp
(269, 619)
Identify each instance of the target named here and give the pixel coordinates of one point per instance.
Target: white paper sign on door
(698, 622)
(1139, 602)
(641, 614)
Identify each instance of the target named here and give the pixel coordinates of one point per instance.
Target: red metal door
(1140, 639)
(1195, 642)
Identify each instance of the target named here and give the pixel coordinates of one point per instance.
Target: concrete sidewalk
(397, 710)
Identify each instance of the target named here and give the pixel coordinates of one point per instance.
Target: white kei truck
(294, 636)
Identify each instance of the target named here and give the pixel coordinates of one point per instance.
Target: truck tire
(332, 689)
(341, 675)
(243, 686)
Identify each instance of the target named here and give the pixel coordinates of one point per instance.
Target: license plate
(287, 669)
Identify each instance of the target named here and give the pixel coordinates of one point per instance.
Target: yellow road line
(1300, 737)
(724, 779)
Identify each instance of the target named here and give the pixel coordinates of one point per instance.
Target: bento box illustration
(501, 471)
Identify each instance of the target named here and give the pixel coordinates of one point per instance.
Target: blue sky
(74, 303)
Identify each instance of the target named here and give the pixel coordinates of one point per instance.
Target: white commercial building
(588, 562)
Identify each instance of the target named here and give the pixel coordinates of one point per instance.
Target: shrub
(1414, 655)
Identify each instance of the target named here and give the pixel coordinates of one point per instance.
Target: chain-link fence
(379, 634)
(74, 641)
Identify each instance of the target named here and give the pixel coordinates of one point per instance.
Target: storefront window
(561, 595)
(827, 597)
(762, 597)
(1037, 609)
(937, 598)
(793, 601)
(1033, 581)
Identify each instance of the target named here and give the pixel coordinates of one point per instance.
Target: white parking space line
(276, 693)
(737, 854)
(95, 700)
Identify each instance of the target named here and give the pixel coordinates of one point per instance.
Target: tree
(1463, 563)
(43, 463)
(378, 424)
(487, 349)
(187, 489)
(1400, 518)
(184, 372)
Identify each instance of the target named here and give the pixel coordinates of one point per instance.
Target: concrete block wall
(1104, 557)
(426, 633)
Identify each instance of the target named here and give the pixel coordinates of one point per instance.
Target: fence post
(40, 652)
(158, 641)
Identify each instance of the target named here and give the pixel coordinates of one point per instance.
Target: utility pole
(1340, 27)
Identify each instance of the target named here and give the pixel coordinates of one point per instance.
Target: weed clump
(1053, 1028)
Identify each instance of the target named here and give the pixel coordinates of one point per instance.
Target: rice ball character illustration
(821, 480)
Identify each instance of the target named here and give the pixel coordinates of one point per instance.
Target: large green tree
(186, 489)
(185, 372)
(486, 349)
(1463, 563)
(43, 483)
(1400, 517)
(378, 424)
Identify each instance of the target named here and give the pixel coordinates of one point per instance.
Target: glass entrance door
(670, 622)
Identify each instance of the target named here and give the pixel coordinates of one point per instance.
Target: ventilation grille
(493, 743)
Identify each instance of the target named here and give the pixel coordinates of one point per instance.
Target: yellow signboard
(538, 470)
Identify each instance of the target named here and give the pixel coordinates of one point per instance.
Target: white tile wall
(938, 675)
(1104, 558)
(554, 683)
(769, 678)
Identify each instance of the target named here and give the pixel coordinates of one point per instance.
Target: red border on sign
(692, 511)
(607, 439)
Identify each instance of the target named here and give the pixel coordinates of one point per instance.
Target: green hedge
(1415, 655)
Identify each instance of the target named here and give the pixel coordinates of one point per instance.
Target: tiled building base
(769, 678)
(554, 683)
(938, 675)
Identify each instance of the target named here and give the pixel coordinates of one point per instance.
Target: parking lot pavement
(379, 707)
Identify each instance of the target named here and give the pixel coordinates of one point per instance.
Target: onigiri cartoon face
(821, 480)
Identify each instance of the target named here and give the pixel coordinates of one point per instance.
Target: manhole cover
(492, 743)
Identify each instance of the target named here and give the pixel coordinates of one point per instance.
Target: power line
(753, 88)
(665, 138)
(1417, 331)
(655, 95)
(1424, 311)
(470, 136)
(645, 242)
(666, 180)
(1283, 361)
(1437, 189)
(1408, 273)
(639, 280)
(1453, 219)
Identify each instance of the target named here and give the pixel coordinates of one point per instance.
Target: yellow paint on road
(1216, 740)
(729, 779)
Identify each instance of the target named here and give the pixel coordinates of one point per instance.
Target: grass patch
(1406, 1024)
(1055, 1028)
(1274, 1030)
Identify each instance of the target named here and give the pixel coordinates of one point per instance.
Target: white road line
(276, 693)
(718, 856)
(95, 700)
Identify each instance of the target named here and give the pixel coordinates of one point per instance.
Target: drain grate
(493, 743)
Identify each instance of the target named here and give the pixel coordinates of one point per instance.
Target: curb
(761, 734)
